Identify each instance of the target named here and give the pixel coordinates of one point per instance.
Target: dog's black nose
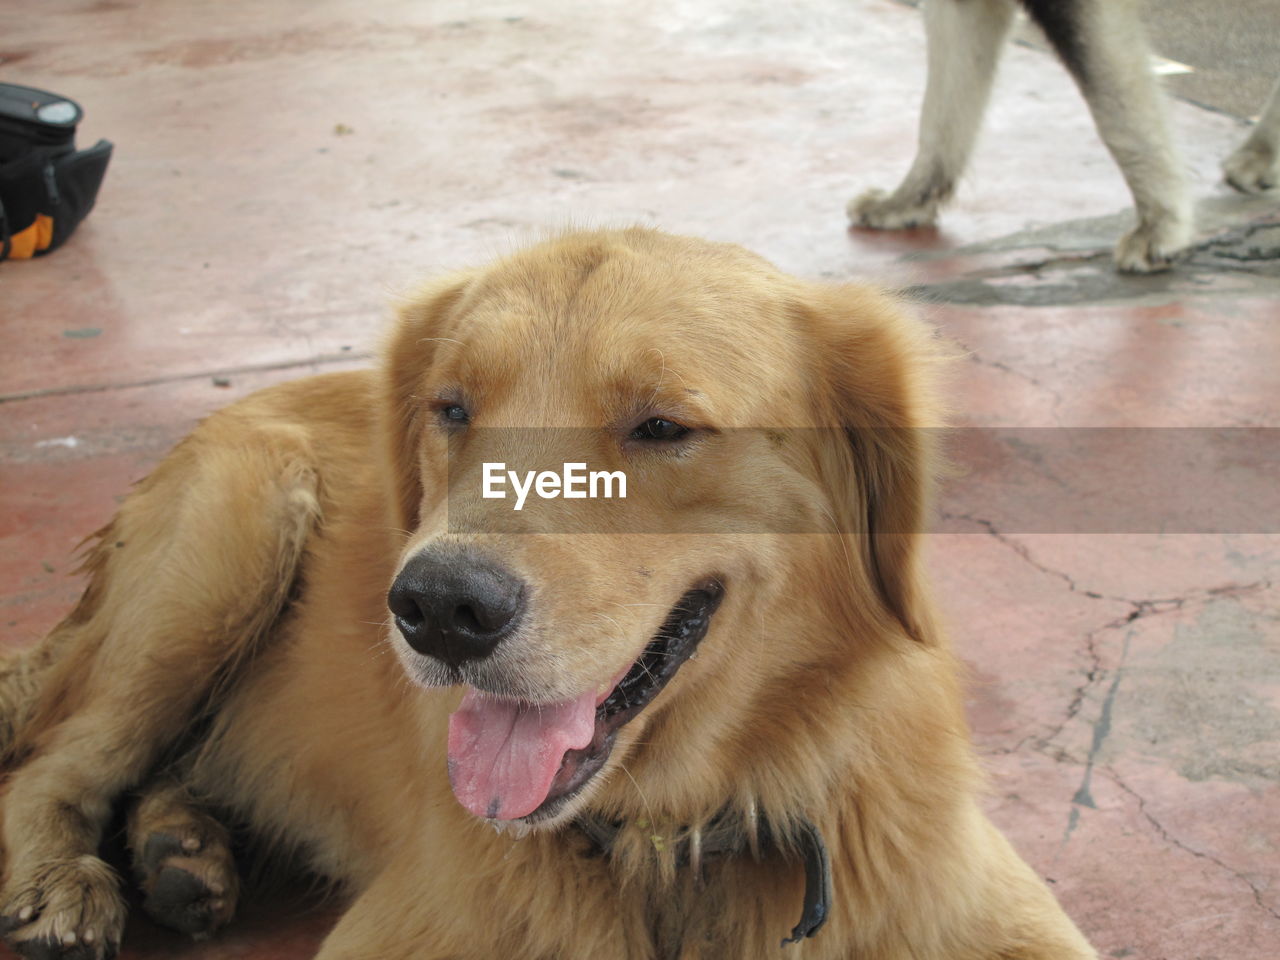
(455, 606)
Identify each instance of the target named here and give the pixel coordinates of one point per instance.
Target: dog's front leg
(195, 567)
(1103, 46)
(965, 39)
(21, 678)
(1255, 166)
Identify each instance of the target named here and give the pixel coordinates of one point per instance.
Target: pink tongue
(503, 754)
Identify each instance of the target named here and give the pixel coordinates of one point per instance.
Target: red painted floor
(282, 170)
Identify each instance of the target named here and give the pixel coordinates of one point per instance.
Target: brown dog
(696, 713)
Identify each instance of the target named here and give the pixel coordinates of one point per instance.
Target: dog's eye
(658, 429)
(455, 415)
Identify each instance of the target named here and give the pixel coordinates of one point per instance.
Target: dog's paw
(882, 211)
(1153, 246)
(1254, 168)
(68, 909)
(187, 875)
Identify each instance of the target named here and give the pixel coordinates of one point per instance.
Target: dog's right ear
(423, 320)
(877, 367)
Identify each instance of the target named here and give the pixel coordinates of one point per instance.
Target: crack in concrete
(1174, 841)
(319, 360)
(1101, 730)
(1143, 607)
(1014, 372)
(1019, 549)
(1096, 673)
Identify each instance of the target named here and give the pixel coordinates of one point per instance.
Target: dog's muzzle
(514, 760)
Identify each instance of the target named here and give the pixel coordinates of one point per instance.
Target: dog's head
(771, 436)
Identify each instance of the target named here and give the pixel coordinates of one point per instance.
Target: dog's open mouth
(512, 760)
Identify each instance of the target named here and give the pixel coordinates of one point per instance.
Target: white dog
(1102, 44)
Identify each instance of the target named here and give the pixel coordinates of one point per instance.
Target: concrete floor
(282, 169)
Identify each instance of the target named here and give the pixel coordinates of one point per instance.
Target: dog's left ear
(407, 357)
(877, 371)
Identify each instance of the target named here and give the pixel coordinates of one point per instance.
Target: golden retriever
(706, 718)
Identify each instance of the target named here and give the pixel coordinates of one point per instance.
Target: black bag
(47, 186)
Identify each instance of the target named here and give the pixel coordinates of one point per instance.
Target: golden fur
(244, 584)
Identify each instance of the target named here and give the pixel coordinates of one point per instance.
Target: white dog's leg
(965, 40)
(1255, 166)
(1102, 44)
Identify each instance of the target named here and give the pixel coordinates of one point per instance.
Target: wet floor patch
(1070, 263)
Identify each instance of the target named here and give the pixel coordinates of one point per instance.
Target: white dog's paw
(1254, 168)
(1152, 247)
(883, 211)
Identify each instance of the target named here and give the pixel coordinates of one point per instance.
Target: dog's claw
(72, 911)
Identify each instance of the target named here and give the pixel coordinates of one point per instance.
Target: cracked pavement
(1124, 677)
(1147, 726)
